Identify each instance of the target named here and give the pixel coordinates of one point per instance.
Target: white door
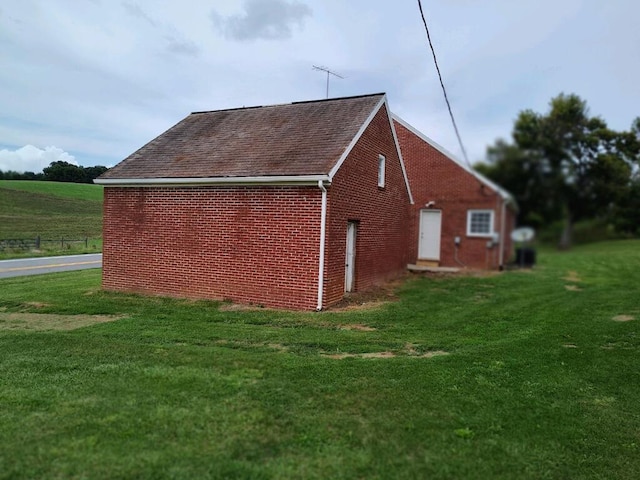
(430, 229)
(350, 260)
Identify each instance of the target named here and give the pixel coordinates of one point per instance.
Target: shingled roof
(297, 139)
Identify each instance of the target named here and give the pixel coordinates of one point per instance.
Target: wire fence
(39, 243)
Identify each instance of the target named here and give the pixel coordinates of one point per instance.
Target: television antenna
(329, 73)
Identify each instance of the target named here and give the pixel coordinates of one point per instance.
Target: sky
(91, 81)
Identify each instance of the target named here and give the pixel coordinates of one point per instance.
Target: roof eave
(271, 180)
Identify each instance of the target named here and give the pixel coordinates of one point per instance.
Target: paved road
(36, 266)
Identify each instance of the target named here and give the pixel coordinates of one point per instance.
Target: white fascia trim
(275, 180)
(355, 139)
(501, 191)
(404, 170)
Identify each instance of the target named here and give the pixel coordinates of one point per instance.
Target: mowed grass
(51, 210)
(78, 191)
(540, 380)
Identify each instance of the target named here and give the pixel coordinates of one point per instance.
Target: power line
(444, 90)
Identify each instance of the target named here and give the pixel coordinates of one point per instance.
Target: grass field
(51, 210)
(519, 375)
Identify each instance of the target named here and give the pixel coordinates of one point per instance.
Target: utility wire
(444, 90)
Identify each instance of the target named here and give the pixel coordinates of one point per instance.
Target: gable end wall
(435, 177)
(380, 213)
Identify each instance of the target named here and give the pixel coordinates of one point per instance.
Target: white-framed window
(381, 170)
(479, 223)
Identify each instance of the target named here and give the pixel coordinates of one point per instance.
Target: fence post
(61, 243)
(86, 242)
(38, 242)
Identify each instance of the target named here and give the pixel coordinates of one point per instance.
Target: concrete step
(424, 268)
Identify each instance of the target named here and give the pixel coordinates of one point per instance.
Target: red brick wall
(249, 244)
(435, 177)
(381, 213)
(261, 244)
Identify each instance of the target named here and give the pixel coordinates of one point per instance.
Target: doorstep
(421, 268)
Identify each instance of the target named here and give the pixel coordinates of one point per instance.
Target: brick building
(293, 205)
(284, 206)
(459, 217)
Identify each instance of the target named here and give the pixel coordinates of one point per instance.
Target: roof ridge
(339, 98)
(287, 104)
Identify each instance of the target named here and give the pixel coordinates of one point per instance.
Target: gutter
(323, 229)
(200, 181)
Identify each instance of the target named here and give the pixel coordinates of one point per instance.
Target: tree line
(567, 166)
(59, 171)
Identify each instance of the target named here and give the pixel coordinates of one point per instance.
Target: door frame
(350, 257)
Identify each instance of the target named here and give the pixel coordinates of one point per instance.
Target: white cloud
(263, 19)
(125, 71)
(32, 159)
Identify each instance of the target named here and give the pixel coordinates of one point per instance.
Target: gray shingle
(305, 138)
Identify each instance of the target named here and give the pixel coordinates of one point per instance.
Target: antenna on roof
(329, 72)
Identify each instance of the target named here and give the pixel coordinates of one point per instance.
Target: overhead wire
(444, 90)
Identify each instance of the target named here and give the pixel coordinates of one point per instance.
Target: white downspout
(503, 213)
(323, 228)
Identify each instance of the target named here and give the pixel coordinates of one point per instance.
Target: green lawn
(540, 380)
(53, 211)
(79, 191)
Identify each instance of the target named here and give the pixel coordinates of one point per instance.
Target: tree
(13, 175)
(58, 172)
(626, 216)
(64, 172)
(565, 165)
(91, 173)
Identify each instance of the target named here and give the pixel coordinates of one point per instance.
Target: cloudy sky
(90, 81)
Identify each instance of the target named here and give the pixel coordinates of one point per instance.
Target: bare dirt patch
(36, 304)
(570, 345)
(412, 350)
(349, 305)
(408, 351)
(572, 276)
(462, 272)
(623, 318)
(371, 299)
(46, 321)
(92, 291)
(433, 353)
(340, 356)
(481, 297)
(239, 307)
(573, 288)
(357, 326)
(238, 344)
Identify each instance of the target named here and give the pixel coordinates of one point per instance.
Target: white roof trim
(501, 191)
(227, 181)
(355, 139)
(404, 170)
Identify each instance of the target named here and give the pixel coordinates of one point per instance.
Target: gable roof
(301, 141)
(504, 194)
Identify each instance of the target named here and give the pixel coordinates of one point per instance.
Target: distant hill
(50, 209)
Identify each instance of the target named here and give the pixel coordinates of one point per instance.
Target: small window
(381, 168)
(480, 223)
